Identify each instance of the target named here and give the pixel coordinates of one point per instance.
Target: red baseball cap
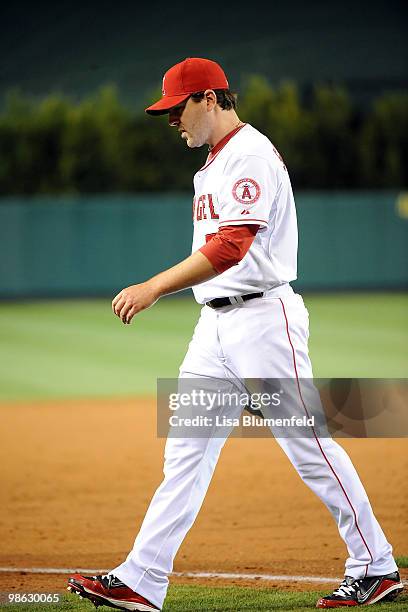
(190, 76)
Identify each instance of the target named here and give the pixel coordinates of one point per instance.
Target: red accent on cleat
(363, 591)
(330, 603)
(109, 591)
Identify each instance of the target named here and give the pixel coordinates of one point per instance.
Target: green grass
(359, 335)
(401, 561)
(72, 348)
(215, 599)
(79, 348)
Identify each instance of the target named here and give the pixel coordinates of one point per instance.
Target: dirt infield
(78, 476)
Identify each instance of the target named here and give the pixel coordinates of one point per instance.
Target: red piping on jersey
(219, 146)
(318, 441)
(244, 220)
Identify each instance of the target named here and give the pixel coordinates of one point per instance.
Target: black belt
(227, 301)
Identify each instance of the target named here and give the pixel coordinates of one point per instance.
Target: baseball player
(252, 325)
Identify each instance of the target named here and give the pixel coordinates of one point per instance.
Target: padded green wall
(94, 245)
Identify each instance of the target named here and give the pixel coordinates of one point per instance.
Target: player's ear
(211, 98)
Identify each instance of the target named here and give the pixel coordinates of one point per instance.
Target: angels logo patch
(246, 191)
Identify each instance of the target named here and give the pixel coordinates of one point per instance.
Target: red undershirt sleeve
(229, 245)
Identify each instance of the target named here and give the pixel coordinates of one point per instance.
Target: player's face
(192, 121)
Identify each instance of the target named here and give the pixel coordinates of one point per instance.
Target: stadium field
(77, 348)
(77, 399)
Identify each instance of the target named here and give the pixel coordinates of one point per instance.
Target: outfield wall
(96, 245)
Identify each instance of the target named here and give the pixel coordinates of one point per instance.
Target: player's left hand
(132, 300)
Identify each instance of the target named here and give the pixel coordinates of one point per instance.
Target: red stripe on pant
(317, 439)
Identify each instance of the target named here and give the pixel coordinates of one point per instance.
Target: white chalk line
(268, 577)
(220, 575)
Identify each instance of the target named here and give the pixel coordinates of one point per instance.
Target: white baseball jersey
(246, 182)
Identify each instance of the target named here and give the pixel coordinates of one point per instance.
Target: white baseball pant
(261, 338)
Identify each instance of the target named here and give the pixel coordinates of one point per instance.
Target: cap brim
(165, 104)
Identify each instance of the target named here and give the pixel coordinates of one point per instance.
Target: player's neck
(227, 121)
